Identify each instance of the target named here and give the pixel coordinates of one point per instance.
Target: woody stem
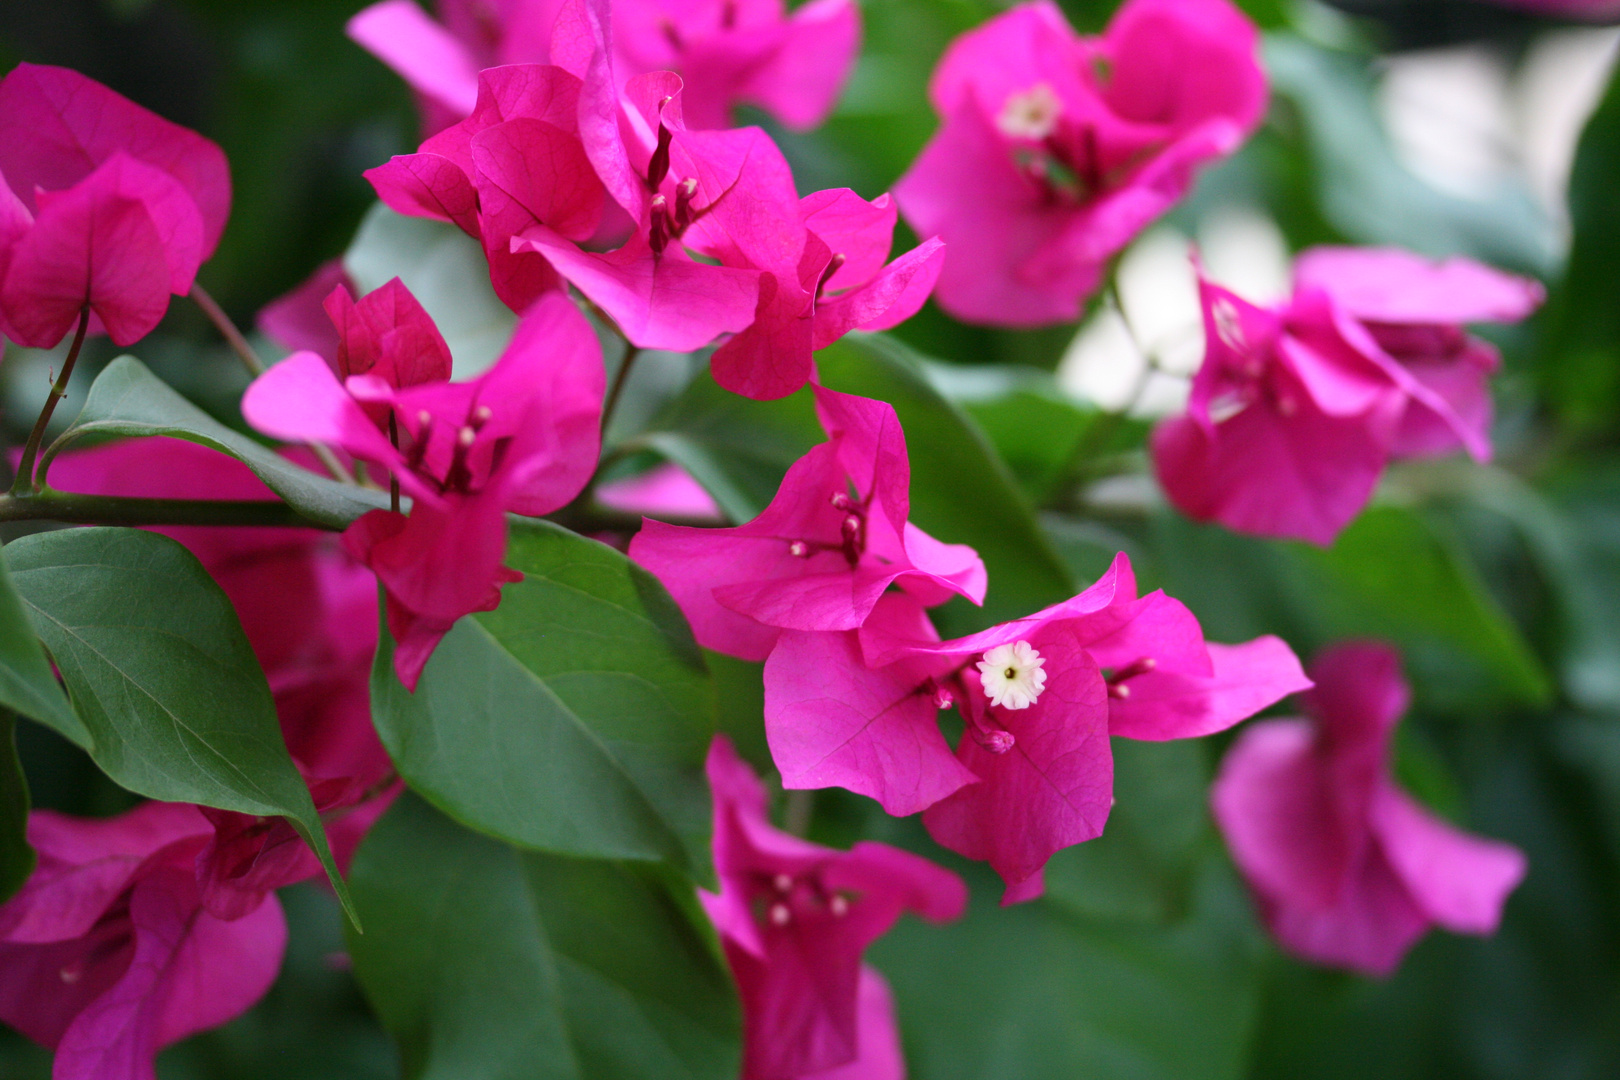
(623, 376)
(255, 367)
(24, 480)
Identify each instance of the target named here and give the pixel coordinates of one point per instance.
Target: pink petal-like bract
(107, 955)
(1347, 870)
(819, 557)
(1297, 409)
(108, 207)
(1055, 150)
(794, 918)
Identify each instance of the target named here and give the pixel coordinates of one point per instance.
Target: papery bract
(1347, 869)
(726, 51)
(1057, 150)
(818, 558)
(521, 438)
(795, 917)
(108, 954)
(860, 710)
(1297, 409)
(104, 206)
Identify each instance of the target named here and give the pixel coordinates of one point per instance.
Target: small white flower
(1032, 114)
(1012, 675)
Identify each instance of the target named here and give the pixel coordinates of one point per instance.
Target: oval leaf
(574, 718)
(127, 399)
(175, 704)
(490, 964)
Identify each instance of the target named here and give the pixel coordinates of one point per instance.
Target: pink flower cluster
(1348, 870)
(1057, 150)
(1297, 409)
(855, 675)
(521, 438)
(726, 51)
(105, 208)
(794, 918)
(139, 930)
(565, 173)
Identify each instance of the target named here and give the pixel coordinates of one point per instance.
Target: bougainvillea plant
(650, 655)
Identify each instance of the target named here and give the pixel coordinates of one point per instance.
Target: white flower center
(1032, 114)
(1012, 675)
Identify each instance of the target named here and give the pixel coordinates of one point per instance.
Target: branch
(118, 510)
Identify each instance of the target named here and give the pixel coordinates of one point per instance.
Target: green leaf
(1035, 991)
(1393, 574)
(573, 719)
(1141, 868)
(172, 699)
(1578, 368)
(16, 857)
(961, 492)
(1369, 195)
(26, 682)
(446, 271)
(491, 964)
(127, 399)
(738, 449)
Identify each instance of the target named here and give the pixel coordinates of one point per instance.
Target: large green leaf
(127, 399)
(961, 492)
(574, 718)
(1394, 573)
(26, 683)
(1579, 368)
(1141, 868)
(736, 448)
(491, 964)
(173, 702)
(16, 857)
(1039, 993)
(1365, 190)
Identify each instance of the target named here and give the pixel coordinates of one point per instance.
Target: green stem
(255, 367)
(120, 510)
(24, 480)
(630, 354)
(1100, 433)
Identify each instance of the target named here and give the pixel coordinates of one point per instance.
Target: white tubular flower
(1012, 675)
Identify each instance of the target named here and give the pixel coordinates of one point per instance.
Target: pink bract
(726, 51)
(521, 438)
(818, 558)
(794, 918)
(860, 710)
(1297, 409)
(103, 206)
(107, 955)
(1057, 150)
(1346, 868)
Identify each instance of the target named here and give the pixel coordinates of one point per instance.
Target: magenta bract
(521, 438)
(794, 918)
(103, 205)
(1347, 869)
(108, 953)
(1057, 150)
(819, 557)
(1297, 409)
(726, 51)
(1028, 777)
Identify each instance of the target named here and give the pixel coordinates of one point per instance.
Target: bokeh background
(1447, 126)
